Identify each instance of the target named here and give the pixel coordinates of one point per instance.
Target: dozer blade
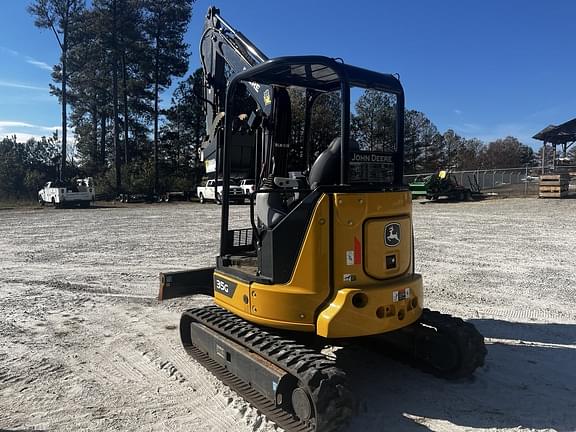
(186, 283)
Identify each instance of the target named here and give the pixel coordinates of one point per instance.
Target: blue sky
(486, 69)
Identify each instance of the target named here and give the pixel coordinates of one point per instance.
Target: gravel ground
(85, 346)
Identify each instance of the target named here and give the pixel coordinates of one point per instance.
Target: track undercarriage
(297, 386)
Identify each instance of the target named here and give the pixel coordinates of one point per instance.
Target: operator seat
(326, 168)
(271, 207)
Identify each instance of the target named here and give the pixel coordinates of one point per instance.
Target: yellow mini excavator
(327, 254)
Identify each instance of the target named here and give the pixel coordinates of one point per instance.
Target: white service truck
(248, 186)
(211, 192)
(81, 193)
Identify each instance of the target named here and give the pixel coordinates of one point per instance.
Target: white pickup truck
(58, 194)
(247, 186)
(208, 192)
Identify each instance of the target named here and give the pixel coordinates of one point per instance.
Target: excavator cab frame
(316, 75)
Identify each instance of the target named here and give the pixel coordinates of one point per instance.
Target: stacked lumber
(554, 186)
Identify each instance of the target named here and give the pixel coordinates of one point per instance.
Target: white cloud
(18, 124)
(25, 131)
(21, 86)
(8, 123)
(29, 60)
(9, 51)
(21, 137)
(457, 111)
(39, 64)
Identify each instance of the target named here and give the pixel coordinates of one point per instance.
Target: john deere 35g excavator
(327, 254)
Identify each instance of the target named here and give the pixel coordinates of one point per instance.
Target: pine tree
(165, 24)
(374, 123)
(182, 135)
(418, 138)
(59, 16)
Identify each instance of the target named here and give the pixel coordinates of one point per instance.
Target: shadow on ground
(528, 381)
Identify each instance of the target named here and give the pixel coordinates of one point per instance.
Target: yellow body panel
(362, 296)
(298, 300)
(351, 213)
(375, 258)
(377, 309)
(238, 302)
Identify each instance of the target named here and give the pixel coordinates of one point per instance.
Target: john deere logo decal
(392, 234)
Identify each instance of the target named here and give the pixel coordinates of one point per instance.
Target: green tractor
(443, 184)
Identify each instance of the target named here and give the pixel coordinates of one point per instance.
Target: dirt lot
(85, 346)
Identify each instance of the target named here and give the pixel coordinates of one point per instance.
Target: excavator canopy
(323, 74)
(319, 73)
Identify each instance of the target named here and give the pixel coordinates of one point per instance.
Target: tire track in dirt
(15, 371)
(544, 315)
(170, 357)
(150, 364)
(520, 314)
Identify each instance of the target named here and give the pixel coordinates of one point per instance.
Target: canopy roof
(561, 134)
(319, 73)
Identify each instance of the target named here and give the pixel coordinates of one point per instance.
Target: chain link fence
(505, 182)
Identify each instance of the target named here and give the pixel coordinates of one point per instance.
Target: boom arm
(225, 52)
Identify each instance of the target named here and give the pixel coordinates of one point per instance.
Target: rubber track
(324, 382)
(466, 338)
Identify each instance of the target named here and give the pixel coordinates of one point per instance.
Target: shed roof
(561, 134)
